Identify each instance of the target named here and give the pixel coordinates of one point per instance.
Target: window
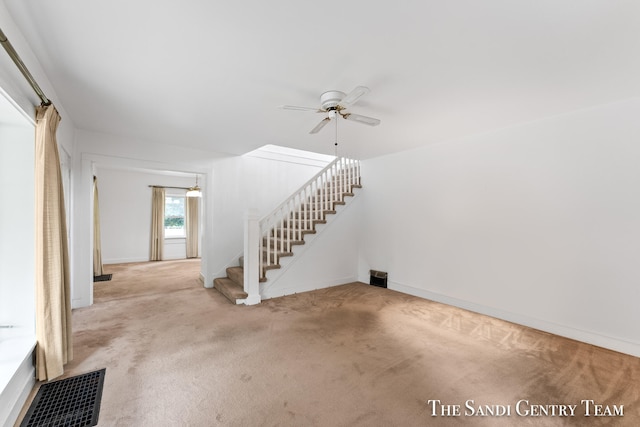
(174, 213)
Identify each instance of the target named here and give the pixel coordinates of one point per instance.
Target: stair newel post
(252, 270)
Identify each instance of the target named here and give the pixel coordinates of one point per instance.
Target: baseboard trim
(124, 260)
(611, 343)
(306, 287)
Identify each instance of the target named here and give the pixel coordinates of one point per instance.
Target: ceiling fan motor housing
(330, 99)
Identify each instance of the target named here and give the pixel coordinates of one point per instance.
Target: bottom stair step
(229, 289)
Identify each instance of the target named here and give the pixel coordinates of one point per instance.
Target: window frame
(184, 228)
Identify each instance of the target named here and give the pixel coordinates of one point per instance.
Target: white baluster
(260, 262)
(350, 174)
(322, 197)
(317, 204)
(307, 205)
(288, 210)
(299, 218)
(281, 237)
(336, 186)
(333, 184)
(268, 246)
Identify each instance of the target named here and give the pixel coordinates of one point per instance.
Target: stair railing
(287, 224)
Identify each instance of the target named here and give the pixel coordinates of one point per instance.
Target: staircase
(288, 224)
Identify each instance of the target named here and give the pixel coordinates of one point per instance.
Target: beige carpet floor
(178, 354)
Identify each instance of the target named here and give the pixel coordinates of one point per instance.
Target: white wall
(17, 267)
(538, 224)
(125, 214)
(17, 294)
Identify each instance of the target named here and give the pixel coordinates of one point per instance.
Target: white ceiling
(211, 74)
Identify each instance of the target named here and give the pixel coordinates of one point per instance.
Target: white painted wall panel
(125, 214)
(539, 223)
(17, 225)
(17, 267)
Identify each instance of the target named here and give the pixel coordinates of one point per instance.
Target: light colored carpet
(178, 354)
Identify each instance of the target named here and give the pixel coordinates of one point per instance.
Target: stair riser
(329, 196)
(292, 234)
(301, 216)
(236, 274)
(273, 245)
(274, 257)
(229, 289)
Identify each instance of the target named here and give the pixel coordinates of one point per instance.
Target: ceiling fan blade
(361, 119)
(320, 125)
(353, 96)
(295, 107)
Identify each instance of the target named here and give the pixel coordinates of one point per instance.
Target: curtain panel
(53, 295)
(97, 244)
(157, 224)
(191, 225)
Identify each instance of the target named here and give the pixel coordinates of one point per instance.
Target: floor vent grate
(71, 402)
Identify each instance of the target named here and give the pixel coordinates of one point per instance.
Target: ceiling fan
(334, 103)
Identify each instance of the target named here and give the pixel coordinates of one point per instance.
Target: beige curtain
(53, 296)
(97, 245)
(191, 225)
(157, 224)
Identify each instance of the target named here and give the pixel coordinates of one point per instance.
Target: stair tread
(229, 289)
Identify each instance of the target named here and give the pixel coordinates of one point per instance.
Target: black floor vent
(378, 278)
(103, 278)
(71, 402)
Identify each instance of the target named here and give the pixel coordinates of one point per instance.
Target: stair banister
(302, 209)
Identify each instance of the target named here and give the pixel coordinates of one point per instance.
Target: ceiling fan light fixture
(334, 103)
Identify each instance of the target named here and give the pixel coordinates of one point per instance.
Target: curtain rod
(23, 68)
(162, 186)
